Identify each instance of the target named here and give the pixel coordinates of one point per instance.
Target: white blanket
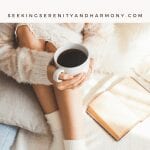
(96, 137)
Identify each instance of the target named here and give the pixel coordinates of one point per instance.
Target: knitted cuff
(53, 119)
(39, 69)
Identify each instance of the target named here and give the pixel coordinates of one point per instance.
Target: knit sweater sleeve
(24, 65)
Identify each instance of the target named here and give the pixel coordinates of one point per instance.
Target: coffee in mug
(72, 59)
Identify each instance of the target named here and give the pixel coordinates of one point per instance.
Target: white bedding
(137, 139)
(96, 137)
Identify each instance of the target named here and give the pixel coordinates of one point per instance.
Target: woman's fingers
(49, 47)
(78, 83)
(65, 76)
(70, 83)
(84, 79)
(76, 79)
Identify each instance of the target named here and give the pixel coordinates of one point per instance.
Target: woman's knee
(27, 39)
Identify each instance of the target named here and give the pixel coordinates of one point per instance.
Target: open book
(120, 108)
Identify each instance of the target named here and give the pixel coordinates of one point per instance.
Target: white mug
(70, 70)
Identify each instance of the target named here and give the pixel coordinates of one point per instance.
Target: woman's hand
(49, 47)
(69, 81)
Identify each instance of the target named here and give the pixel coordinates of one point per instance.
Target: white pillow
(19, 106)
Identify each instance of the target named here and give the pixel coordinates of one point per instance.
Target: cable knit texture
(25, 65)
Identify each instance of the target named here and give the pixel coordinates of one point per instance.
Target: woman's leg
(48, 103)
(70, 107)
(46, 97)
(45, 94)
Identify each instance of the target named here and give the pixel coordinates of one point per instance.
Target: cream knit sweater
(116, 48)
(31, 66)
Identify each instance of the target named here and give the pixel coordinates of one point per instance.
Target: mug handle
(57, 74)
